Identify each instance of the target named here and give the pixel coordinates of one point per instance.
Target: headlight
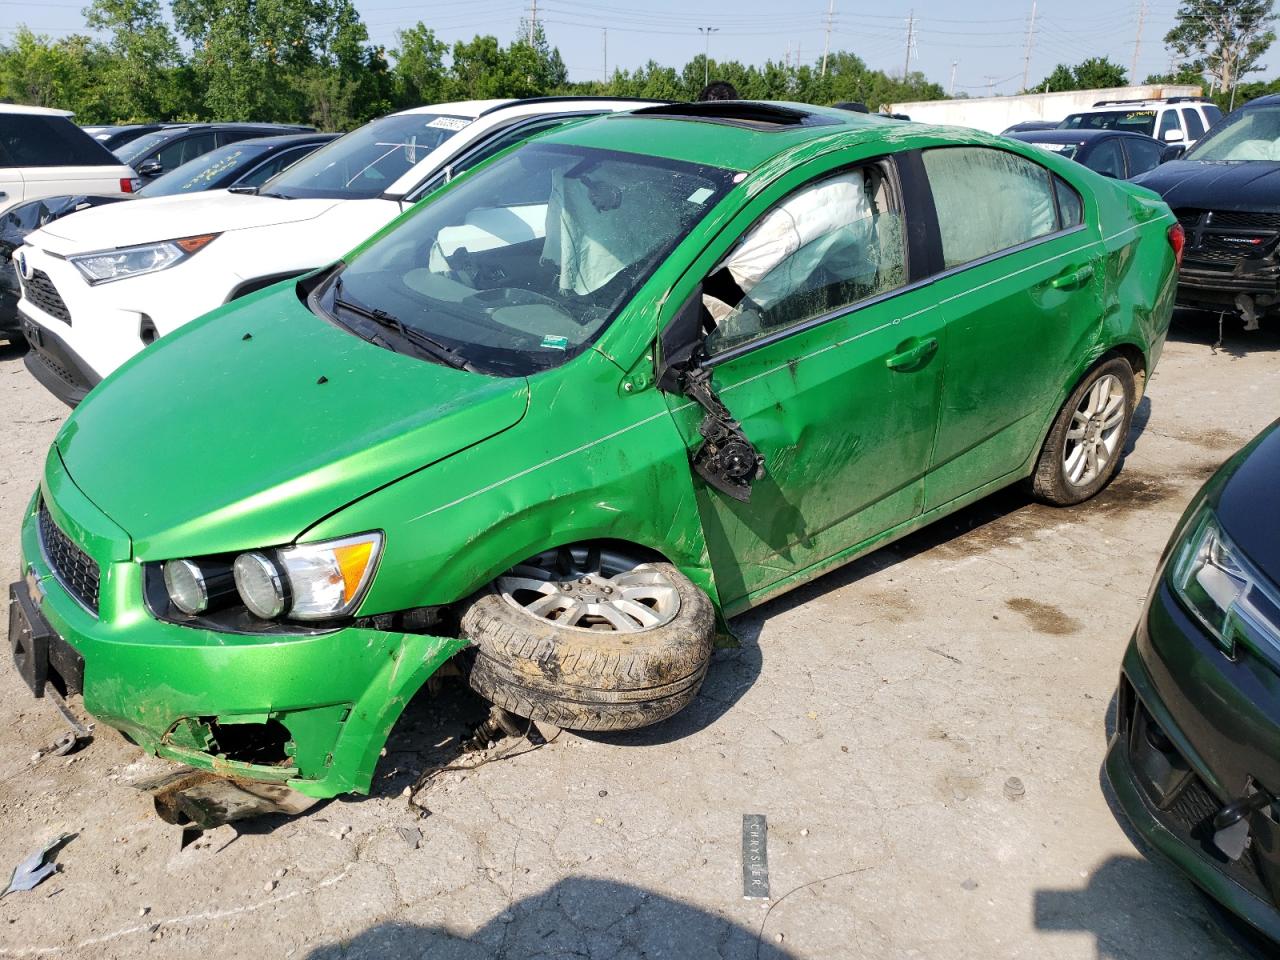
(1226, 594)
(107, 265)
(329, 579)
(260, 585)
(194, 587)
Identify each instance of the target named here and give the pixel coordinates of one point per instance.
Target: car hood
(1245, 504)
(248, 426)
(1252, 185)
(147, 220)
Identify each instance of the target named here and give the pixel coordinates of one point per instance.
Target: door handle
(3, 195)
(913, 355)
(1072, 278)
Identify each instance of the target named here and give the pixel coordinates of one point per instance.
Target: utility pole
(533, 22)
(1026, 55)
(706, 55)
(605, 32)
(1137, 40)
(911, 36)
(952, 91)
(991, 84)
(826, 46)
(787, 60)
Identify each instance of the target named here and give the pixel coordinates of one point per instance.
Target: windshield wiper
(427, 344)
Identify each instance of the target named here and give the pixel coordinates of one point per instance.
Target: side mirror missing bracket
(725, 459)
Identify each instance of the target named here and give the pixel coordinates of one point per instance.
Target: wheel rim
(1094, 435)
(585, 588)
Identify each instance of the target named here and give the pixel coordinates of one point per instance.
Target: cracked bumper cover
(337, 694)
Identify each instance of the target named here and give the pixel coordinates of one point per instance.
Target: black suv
(162, 150)
(1226, 194)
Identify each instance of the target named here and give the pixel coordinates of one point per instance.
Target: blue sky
(986, 41)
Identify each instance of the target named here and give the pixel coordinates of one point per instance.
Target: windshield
(131, 151)
(1138, 121)
(204, 172)
(521, 265)
(1252, 134)
(366, 161)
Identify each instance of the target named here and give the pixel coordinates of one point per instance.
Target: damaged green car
(628, 379)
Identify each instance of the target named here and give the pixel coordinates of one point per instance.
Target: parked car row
(595, 376)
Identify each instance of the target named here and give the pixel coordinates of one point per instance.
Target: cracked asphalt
(874, 716)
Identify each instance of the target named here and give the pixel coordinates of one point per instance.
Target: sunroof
(744, 113)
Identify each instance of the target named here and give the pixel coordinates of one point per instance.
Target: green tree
(53, 73)
(1095, 73)
(1224, 39)
(137, 76)
(419, 74)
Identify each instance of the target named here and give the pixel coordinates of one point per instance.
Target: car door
(824, 356)
(1020, 289)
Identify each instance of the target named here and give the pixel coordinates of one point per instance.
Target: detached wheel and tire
(590, 639)
(1083, 449)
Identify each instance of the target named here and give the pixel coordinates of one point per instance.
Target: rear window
(27, 140)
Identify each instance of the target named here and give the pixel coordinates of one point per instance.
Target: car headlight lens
(1226, 594)
(194, 587)
(260, 585)
(107, 265)
(310, 581)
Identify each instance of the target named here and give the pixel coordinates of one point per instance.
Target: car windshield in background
(521, 265)
(135, 149)
(366, 161)
(204, 171)
(1252, 134)
(1137, 121)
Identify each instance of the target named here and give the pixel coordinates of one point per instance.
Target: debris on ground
(410, 834)
(38, 867)
(198, 799)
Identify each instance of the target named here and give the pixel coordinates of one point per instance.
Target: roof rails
(743, 113)
(1122, 103)
(568, 99)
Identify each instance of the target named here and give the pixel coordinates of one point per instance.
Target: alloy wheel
(1095, 432)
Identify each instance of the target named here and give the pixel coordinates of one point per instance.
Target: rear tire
(1086, 443)
(551, 645)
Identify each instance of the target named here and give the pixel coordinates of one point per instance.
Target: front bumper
(1199, 286)
(56, 366)
(1194, 731)
(311, 711)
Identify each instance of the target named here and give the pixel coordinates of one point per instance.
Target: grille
(71, 565)
(1195, 805)
(1220, 239)
(57, 369)
(41, 291)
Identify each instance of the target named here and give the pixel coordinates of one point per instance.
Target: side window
(1070, 206)
(826, 246)
(175, 154)
(1211, 113)
(1143, 155)
(27, 140)
(1169, 121)
(1107, 159)
(235, 136)
(486, 149)
(269, 168)
(1195, 129)
(1016, 201)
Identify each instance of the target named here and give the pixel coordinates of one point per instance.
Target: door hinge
(726, 459)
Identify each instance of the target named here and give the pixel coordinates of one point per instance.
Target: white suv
(44, 154)
(1174, 121)
(99, 286)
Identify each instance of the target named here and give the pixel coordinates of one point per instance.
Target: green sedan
(557, 424)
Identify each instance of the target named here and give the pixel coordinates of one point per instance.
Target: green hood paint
(252, 449)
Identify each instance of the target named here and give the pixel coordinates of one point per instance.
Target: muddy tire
(1086, 443)
(544, 650)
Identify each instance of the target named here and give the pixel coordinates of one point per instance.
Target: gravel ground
(874, 716)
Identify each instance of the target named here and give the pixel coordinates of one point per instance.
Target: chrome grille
(1220, 239)
(71, 565)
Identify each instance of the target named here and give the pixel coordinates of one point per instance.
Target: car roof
(38, 111)
(285, 139)
(1076, 136)
(1270, 100)
(474, 109)
(733, 134)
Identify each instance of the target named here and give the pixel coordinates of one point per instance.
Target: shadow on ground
(1226, 334)
(1112, 907)
(577, 917)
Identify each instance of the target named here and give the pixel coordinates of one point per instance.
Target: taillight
(130, 184)
(1177, 240)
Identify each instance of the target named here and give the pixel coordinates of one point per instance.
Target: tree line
(312, 61)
